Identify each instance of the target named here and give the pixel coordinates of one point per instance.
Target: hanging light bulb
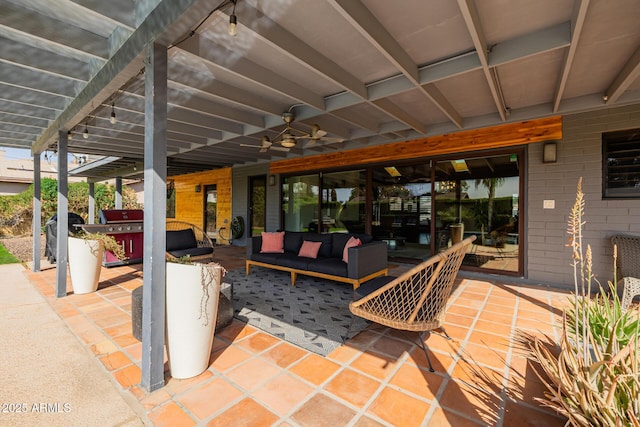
(69, 135)
(233, 21)
(113, 119)
(85, 134)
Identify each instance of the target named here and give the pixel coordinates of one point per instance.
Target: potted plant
(86, 251)
(192, 293)
(592, 374)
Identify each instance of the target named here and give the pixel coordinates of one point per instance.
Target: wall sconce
(198, 188)
(550, 152)
(272, 180)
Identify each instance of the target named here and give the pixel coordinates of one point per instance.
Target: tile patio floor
(379, 378)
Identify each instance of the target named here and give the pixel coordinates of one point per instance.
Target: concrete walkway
(46, 376)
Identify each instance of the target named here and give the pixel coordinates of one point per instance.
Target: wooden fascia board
(507, 135)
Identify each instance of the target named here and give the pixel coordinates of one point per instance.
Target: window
(171, 199)
(621, 164)
(300, 202)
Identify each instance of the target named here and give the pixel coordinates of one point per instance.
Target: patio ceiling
(366, 71)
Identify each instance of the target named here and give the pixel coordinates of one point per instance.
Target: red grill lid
(109, 216)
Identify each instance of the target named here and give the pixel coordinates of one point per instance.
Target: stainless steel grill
(126, 226)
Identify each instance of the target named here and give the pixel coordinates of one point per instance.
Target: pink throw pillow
(352, 242)
(272, 243)
(309, 249)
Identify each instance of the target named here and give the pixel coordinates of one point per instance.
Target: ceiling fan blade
(316, 132)
(285, 149)
(330, 139)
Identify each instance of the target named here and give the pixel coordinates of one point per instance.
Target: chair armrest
(253, 245)
(366, 259)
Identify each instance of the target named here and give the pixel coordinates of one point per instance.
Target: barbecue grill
(124, 225)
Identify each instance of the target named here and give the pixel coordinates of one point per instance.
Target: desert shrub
(592, 376)
(16, 211)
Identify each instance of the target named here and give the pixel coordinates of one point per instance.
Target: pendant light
(113, 119)
(233, 21)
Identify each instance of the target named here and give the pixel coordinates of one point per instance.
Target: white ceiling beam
(11, 106)
(472, 20)
(577, 23)
(40, 25)
(122, 11)
(629, 74)
(361, 18)
(21, 76)
(527, 45)
(34, 97)
(400, 115)
(242, 67)
(369, 27)
(18, 53)
(210, 108)
(222, 91)
(22, 120)
(95, 163)
(121, 67)
(285, 42)
(47, 45)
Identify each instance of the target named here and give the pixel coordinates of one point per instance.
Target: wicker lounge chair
(184, 239)
(416, 300)
(628, 266)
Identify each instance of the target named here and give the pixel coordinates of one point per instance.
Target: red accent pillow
(309, 249)
(272, 242)
(352, 242)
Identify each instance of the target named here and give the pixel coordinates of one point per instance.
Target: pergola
(188, 96)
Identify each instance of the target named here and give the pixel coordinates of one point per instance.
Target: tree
(491, 184)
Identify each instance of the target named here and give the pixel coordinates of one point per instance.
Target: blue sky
(17, 153)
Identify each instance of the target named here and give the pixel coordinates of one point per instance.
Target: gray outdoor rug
(314, 314)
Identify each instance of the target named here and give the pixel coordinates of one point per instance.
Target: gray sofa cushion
(268, 258)
(181, 239)
(341, 239)
(371, 286)
(325, 249)
(293, 261)
(328, 266)
(337, 246)
(193, 252)
(293, 241)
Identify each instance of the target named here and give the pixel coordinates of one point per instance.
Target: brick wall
(579, 155)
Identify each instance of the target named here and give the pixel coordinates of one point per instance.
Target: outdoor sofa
(363, 262)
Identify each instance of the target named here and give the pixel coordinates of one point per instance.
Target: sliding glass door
(343, 201)
(419, 208)
(401, 213)
(300, 202)
(480, 196)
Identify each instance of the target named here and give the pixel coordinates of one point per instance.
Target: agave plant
(592, 378)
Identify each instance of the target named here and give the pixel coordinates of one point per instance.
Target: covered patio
(349, 99)
(376, 378)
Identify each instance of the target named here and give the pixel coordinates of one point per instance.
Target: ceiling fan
(290, 135)
(265, 145)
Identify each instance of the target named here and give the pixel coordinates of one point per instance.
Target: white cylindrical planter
(192, 308)
(85, 263)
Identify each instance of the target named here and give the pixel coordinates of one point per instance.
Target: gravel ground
(22, 247)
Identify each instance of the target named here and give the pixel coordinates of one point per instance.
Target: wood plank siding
(508, 135)
(190, 205)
